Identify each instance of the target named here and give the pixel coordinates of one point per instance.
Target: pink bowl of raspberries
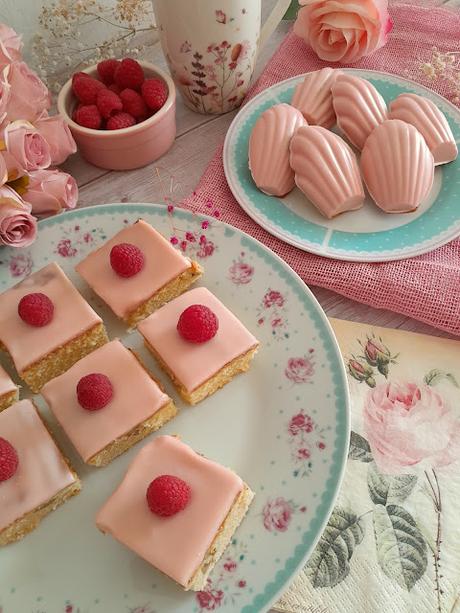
(121, 113)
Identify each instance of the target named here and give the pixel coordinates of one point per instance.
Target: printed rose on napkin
(343, 30)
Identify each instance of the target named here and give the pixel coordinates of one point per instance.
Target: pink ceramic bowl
(129, 147)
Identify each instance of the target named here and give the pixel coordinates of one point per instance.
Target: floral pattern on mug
(219, 75)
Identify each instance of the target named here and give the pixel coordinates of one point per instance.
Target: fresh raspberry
(80, 75)
(197, 324)
(129, 73)
(113, 87)
(8, 460)
(108, 103)
(119, 121)
(167, 495)
(133, 103)
(36, 309)
(94, 391)
(106, 70)
(155, 93)
(88, 116)
(86, 89)
(126, 259)
(74, 112)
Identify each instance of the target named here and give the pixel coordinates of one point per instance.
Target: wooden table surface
(197, 138)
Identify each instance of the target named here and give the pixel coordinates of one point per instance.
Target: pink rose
(277, 515)
(299, 370)
(210, 599)
(26, 149)
(29, 97)
(58, 136)
(343, 30)
(273, 298)
(406, 423)
(241, 273)
(300, 423)
(4, 95)
(50, 191)
(18, 228)
(10, 45)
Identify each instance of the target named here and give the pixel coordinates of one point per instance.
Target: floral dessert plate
(283, 427)
(367, 235)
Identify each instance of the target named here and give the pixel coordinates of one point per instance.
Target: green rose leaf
(388, 489)
(329, 563)
(359, 448)
(401, 548)
(436, 375)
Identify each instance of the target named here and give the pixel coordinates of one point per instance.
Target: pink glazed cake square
(42, 352)
(186, 544)
(165, 273)
(9, 391)
(198, 369)
(138, 405)
(42, 479)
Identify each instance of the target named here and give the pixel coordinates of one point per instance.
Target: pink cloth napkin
(425, 287)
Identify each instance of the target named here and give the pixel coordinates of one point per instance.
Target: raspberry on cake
(199, 343)
(177, 510)
(46, 326)
(9, 392)
(137, 271)
(107, 402)
(35, 478)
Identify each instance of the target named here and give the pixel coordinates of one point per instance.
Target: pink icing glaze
(358, 106)
(6, 384)
(136, 397)
(326, 170)
(162, 264)
(41, 473)
(72, 316)
(430, 122)
(269, 149)
(313, 97)
(397, 166)
(192, 363)
(175, 545)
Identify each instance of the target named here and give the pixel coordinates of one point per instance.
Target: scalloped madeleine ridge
(269, 149)
(358, 106)
(313, 97)
(430, 121)
(326, 171)
(397, 166)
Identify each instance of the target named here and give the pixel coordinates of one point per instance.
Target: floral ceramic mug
(211, 47)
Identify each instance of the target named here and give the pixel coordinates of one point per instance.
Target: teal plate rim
(275, 585)
(416, 237)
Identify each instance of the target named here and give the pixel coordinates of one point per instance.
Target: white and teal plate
(367, 235)
(283, 426)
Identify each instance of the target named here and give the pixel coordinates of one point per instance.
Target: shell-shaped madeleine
(397, 166)
(313, 97)
(358, 106)
(326, 171)
(430, 121)
(269, 149)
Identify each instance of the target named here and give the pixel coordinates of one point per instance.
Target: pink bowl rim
(107, 134)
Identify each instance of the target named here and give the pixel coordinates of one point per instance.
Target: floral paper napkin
(392, 543)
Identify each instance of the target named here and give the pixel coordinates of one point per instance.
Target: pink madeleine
(397, 167)
(430, 122)
(313, 97)
(326, 171)
(358, 106)
(269, 149)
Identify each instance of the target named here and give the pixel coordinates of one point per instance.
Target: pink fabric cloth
(426, 287)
